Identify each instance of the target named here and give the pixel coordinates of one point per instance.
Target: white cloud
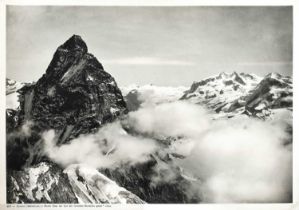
(170, 119)
(235, 160)
(243, 160)
(110, 147)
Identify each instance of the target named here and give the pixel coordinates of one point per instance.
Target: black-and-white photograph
(149, 104)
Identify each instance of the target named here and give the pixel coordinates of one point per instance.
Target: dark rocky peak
(75, 88)
(75, 96)
(71, 58)
(75, 43)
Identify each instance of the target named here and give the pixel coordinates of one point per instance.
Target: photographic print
(149, 104)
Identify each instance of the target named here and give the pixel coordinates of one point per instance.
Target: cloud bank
(233, 160)
(242, 160)
(108, 148)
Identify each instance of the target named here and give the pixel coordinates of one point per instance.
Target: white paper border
(291, 206)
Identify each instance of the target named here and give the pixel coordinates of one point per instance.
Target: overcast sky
(159, 45)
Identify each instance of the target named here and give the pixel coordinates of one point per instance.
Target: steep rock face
(42, 183)
(75, 96)
(11, 120)
(75, 93)
(138, 179)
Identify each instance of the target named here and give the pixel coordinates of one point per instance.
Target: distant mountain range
(227, 94)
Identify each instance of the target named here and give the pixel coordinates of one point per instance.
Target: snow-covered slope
(12, 86)
(137, 96)
(231, 94)
(12, 100)
(274, 91)
(42, 183)
(47, 183)
(220, 91)
(90, 186)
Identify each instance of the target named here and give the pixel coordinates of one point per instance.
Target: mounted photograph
(149, 104)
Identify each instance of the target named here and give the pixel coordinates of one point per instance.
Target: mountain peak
(74, 43)
(224, 74)
(273, 75)
(77, 88)
(235, 73)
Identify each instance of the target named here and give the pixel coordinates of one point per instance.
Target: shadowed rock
(75, 96)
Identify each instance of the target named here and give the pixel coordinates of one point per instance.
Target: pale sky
(165, 46)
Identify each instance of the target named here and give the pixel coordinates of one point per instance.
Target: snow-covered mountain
(234, 93)
(273, 92)
(220, 91)
(12, 100)
(12, 86)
